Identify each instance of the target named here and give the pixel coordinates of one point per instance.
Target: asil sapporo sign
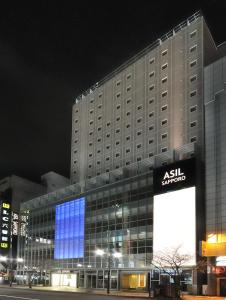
(175, 176)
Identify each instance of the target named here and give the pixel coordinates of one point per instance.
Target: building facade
(147, 114)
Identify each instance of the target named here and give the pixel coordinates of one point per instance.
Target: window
(99, 106)
(75, 161)
(193, 48)
(91, 111)
(90, 154)
(139, 158)
(90, 143)
(117, 155)
(108, 147)
(98, 162)
(108, 135)
(75, 151)
(128, 76)
(151, 88)
(99, 129)
(139, 133)
(193, 78)
(118, 82)
(117, 130)
(128, 101)
(193, 93)
(193, 108)
(128, 88)
(91, 100)
(151, 127)
(164, 80)
(128, 126)
(193, 139)
(76, 111)
(108, 124)
(118, 119)
(100, 95)
(98, 173)
(90, 166)
(151, 74)
(151, 114)
(128, 138)
(98, 151)
(127, 150)
(193, 33)
(164, 149)
(76, 121)
(164, 52)
(76, 131)
(117, 167)
(117, 143)
(164, 108)
(193, 63)
(118, 95)
(152, 60)
(151, 101)
(139, 120)
(91, 122)
(76, 141)
(164, 136)
(164, 94)
(164, 66)
(99, 118)
(107, 158)
(128, 113)
(91, 133)
(193, 124)
(99, 140)
(150, 154)
(164, 122)
(107, 170)
(127, 163)
(150, 142)
(118, 106)
(138, 146)
(139, 107)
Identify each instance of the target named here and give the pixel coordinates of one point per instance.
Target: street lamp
(101, 252)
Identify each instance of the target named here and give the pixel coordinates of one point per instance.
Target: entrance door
(222, 286)
(91, 281)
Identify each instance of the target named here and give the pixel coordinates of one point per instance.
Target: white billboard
(175, 223)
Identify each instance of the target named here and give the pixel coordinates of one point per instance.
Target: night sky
(50, 51)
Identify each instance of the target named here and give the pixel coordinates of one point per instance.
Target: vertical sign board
(5, 233)
(174, 214)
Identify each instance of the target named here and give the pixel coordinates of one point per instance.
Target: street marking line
(18, 297)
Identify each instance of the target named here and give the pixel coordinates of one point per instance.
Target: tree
(170, 262)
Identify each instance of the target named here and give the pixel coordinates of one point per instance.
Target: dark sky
(50, 51)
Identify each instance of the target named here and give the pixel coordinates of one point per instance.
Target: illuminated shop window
(69, 229)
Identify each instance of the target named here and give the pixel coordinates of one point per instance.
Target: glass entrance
(91, 281)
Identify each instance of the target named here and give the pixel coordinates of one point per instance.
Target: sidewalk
(130, 294)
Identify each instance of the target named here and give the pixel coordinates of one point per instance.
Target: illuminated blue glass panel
(69, 229)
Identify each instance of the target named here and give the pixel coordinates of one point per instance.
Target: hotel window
(108, 124)
(139, 120)
(108, 135)
(99, 106)
(138, 146)
(117, 143)
(152, 60)
(107, 158)
(91, 123)
(150, 142)
(128, 113)
(151, 101)
(117, 130)
(193, 63)
(193, 93)
(128, 126)
(164, 108)
(99, 140)
(128, 101)
(99, 129)
(139, 133)
(193, 78)
(90, 154)
(128, 76)
(98, 162)
(128, 138)
(164, 66)
(164, 122)
(117, 155)
(151, 74)
(118, 83)
(128, 150)
(193, 139)
(164, 52)
(118, 95)
(118, 106)
(151, 88)
(108, 147)
(164, 94)
(118, 119)
(164, 136)
(193, 48)
(193, 108)
(193, 124)
(128, 88)
(164, 79)
(99, 118)
(193, 33)
(98, 151)
(91, 111)
(100, 95)
(164, 149)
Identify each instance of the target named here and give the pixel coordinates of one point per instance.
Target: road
(32, 294)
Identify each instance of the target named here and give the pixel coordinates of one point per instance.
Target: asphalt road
(30, 294)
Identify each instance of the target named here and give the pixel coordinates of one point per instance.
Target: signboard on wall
(5, 231)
